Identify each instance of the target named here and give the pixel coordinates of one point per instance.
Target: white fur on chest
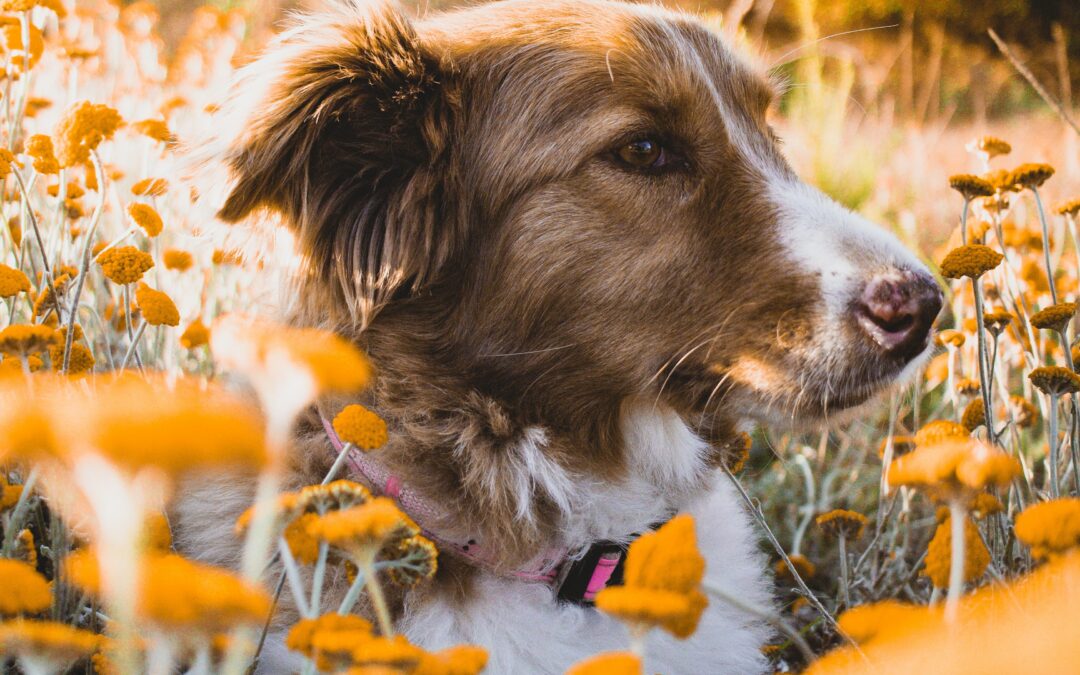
(527, 631)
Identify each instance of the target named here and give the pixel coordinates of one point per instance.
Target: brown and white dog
(565, 234)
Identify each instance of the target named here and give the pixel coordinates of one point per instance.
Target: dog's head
(571, 204)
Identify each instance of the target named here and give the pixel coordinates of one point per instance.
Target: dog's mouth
(776, 392)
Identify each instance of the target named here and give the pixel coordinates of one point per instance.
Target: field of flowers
(939, 533)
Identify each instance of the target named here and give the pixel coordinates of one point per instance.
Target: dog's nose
(897, 310)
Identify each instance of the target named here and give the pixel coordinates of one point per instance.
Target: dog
(566, 236)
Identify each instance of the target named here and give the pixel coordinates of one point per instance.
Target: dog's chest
(527, 631)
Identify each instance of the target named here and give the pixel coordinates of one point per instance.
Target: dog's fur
(563, 342)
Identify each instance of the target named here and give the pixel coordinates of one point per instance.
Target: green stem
(1055, 480)
(845, 595)
(1046, 245)
(375, 592)
(292, 573)
(957, 516)
(11, 528)
(985, 381)
(134, 344)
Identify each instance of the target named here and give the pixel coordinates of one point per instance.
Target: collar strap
(576, 580)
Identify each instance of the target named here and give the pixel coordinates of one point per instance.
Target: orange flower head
(361, 530)
(357, 425)
(12, 282)
(1055, 317)
(1053, 380)
(50, 641)
(84, 126)
(1031, 175)
(147, 218)
(842, 523)
(1069, 208)
(939, 554)
(971, 186)
(125, 264)
(608, 663)
(158, 130)
(993, 146)
(974, 415)
(40, 149)
(971, 261)
(177, 259)
(953, 468)
(24, 591)
(26, 339)
(940, 430)
(150, 187)
(157, 308)
(1050, 528)
(195, 335)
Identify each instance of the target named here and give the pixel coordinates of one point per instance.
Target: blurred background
(882, 94)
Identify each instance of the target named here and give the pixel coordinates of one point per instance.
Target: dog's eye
(644, 153)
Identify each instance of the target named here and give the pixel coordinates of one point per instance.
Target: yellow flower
(155, 129)
(459, 660)
(939, 554)
(223, 257)
(80, 361)
(304, 547)
(1071, 207)
(287, 506)
(357, 425)
(968, 387)
(1054, 380)
(24, 591)
(360, 530)
(902, 445)
(25, 339)
(974, 415)
(993, 146)
(335, 364)
(971, 186)
(146, 217)
(11, 34)
(735, 453)
(195, 335)
(125, 264)
(951, 337)
(423, 560)
(84, 126)
(986, 504)
(46, 642)
(940, 430)
(152, 187)
(970, 261)
(1024, 411)
(12, 281)
(880, 620)
(1031, 175)
(802, 564)
(301, 636)
(996, 322)
(953, 468)
(157, 308)
(1055, 317)
(335, 495)
(26, 548)
(9, 494)
(842, 522)
(40, 148)
(1050, 528)
(662, 578)
(176, 259)
(179, 594)
(609, 663)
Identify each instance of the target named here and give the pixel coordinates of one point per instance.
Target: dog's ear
(342, 127)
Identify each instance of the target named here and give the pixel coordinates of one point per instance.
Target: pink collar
(577, 579)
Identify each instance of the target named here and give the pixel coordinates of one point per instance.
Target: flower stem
(11, 527)
(957, 516)
(1046, 245)
(375, 592)
(134, 345)
(84, 263)
(845, 595)
(292, 573)
(963, 222)
(985, 381)
(1052, 455)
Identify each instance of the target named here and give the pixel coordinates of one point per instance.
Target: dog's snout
(897, 311)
